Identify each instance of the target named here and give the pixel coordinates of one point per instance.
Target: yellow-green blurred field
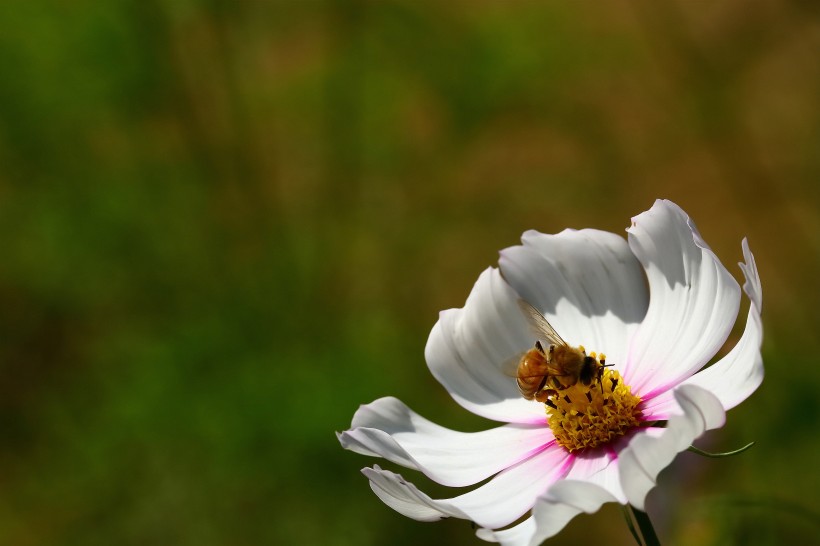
(226, 224)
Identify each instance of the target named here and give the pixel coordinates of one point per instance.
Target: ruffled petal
(551, 513)
(406, 499)
(469, 348)
(499, 502)
(693, 301)
(647, 454)
(587, 283)
(522, 534)
(738, 374)
(388, 428)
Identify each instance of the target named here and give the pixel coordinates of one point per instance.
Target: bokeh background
(226, 224)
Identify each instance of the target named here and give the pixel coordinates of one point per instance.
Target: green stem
(693, 449)
(645, 525)
(628, 518)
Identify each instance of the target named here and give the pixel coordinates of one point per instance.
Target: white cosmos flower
(659, 304)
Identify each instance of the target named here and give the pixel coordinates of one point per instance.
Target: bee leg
(544, 395)
(601, 374)
(557, 385)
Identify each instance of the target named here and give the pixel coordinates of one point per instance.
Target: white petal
(599, 467)
(388, 428)
(406, 499)
(648, 454)
(693, 301)
(522, 534)
(551, 513)
(587, 283)
(752, 286)
(468, 349)
(499, 502)
(738, 374)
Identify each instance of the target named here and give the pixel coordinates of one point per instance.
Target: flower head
(659, 305)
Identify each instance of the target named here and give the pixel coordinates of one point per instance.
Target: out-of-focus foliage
(225, 224)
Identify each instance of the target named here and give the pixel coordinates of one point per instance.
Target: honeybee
(542, 373)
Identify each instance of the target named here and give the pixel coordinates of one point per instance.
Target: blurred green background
(226, 224)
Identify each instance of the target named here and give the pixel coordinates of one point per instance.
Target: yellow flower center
(587, 416)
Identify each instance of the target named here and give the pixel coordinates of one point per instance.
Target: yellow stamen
(587, 416)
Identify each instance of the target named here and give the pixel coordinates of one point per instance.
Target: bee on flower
(580, 429)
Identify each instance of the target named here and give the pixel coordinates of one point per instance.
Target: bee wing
(510, 366)
(539, 325)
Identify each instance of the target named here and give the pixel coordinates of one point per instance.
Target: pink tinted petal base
(388, 428)
(599, 467)
(499, 502)
(635, 463)
(551, 513)
(649, 453)
(693, 301)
